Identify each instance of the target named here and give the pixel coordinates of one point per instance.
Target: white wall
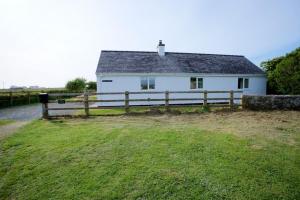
(122, 83)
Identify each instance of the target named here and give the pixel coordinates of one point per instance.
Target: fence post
(231, 102)
(44, 99)
(86, 104)
(205, 98)
(127, 102)
(45, 110)
(167, 101)
(242, 102)
(28, 95)
(10, 98)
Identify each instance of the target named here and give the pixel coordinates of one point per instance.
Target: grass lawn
(240, 155)
(5, 122)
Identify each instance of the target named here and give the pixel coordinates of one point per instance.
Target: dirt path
(11, 128)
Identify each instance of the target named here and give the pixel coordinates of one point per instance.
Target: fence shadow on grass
(147, 111)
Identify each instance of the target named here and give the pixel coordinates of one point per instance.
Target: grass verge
(208, 156)
(5, 122)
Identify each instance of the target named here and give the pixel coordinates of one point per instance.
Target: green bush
(77, 85)
(283, 74)
(92, 85)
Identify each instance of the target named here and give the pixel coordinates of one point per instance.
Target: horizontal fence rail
(85, 102)
(162, 92)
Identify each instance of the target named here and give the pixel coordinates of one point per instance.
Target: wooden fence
(84, 98)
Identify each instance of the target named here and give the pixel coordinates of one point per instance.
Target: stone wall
(271, 102)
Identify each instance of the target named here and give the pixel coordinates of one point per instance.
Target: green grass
(5, 122)
(144, 158)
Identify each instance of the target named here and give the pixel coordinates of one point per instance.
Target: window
(144, 83)
(246, 83)
(196, 83)
(240, 83)
(200, 82)
(193, 82)
(151, 83)
(243, 83)
(147, 83)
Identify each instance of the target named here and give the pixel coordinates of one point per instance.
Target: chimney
(161, 48)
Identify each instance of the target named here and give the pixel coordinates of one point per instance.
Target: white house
(135, 71)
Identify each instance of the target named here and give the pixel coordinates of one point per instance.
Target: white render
(175, 82)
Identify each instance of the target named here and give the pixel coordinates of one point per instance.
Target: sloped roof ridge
(171, 52)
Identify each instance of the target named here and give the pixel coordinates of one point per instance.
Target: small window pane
(240, 83)
(144, 83)
(151, 83)
(193, 82)
(200, 82)
(246, 83)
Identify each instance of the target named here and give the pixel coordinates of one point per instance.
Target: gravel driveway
(34, 111)
(22, 113)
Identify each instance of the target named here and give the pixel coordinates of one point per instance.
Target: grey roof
(151, 62)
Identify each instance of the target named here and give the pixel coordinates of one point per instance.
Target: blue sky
(47, 42)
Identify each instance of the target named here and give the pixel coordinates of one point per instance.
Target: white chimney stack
(161, 48)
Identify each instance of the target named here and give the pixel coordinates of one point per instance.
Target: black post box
(43, 97)
(61, 101)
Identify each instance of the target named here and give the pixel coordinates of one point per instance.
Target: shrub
(77, 85)
(91, 85)
(283, 73)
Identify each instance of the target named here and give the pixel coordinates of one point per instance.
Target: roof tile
(151, 62)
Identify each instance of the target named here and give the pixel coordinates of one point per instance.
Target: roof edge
(172, 53)
(177, 74)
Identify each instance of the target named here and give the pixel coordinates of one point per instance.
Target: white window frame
(148, 82)
(197, 80)
(243, 83)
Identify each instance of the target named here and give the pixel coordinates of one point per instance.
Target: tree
(269, 67)
(77, 85)
(284, 73)
(91, 85)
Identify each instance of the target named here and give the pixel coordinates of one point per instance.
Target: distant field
(32, 90)
(222, 155)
